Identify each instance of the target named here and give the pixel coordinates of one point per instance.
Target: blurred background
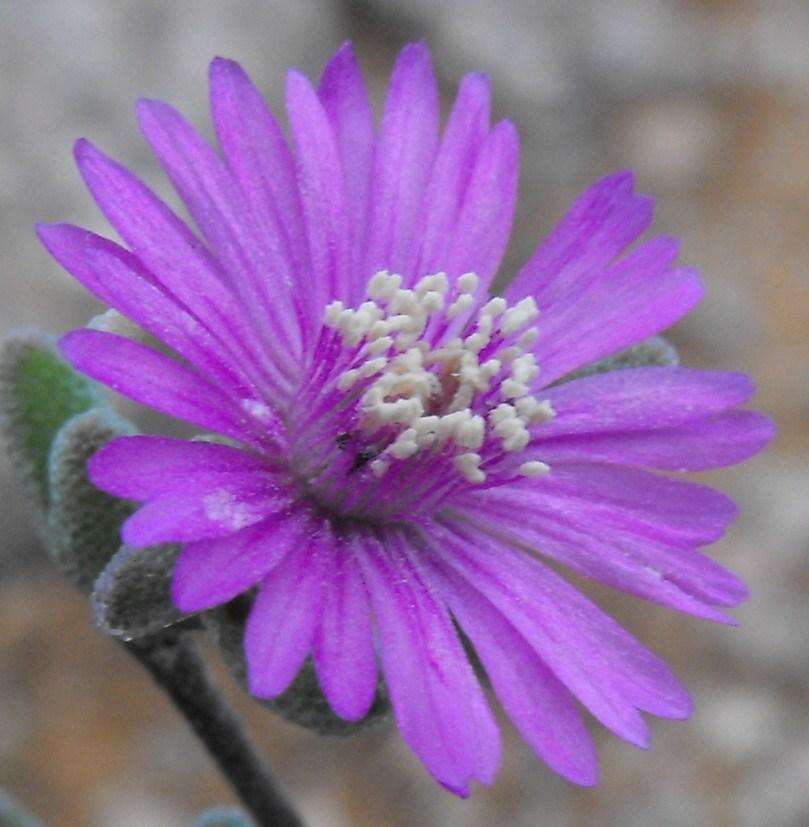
(709, 102)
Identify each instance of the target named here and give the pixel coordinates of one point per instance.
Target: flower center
(437, 377)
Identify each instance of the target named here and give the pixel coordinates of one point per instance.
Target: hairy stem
(173, 659)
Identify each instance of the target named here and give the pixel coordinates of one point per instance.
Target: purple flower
(400, 459)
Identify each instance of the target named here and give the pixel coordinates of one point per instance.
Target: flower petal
(673, 511)
(118, 279)
(217, 507)
(344, 655)
(463, 137)
(712, 442)
(403, 160)
(258, 157)
(173, 255)
(601, 223)
(284, 618)
(437, 700)
(484, 223)
(613, 542)
(634, 299)
(345, 101)
(320, 182)
(540, 707)
(598, 661)
(641, 399)
(142, 467)
(148, 377)
(258, 270)
(211, 572)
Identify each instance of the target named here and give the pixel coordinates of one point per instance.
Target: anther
(534, 468)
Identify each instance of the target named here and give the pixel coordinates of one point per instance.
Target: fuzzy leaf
(654, 352)
(224, 817)
(39, 392)
(303, 703)
(84, 523)
(132, 595)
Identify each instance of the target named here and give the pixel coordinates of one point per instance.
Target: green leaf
(83, 530)
(303, 703)
(39, 392)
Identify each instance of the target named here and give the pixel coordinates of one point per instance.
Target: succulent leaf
(39, 392)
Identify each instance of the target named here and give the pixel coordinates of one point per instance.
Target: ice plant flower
(400, 460)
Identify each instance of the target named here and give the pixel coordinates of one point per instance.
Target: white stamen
(332, 314)
(524, 368)
(534, 468)
(517, 441)
(494, 307)
(379, 467)
(381, 345)
(424, 389)
(508, 427)
(437, 283)
(528, 339)
(476, 342)
(470, 433)
(511, 389)
(468, 283)
(468, 465)
(348, 379)
(372, 366)
(405, 444)
(523, 312)
(501, 412)
(463, 303)
(432, 302)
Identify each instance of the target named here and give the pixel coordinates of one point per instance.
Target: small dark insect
(363, 457)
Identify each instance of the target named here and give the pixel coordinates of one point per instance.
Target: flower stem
(174, 661)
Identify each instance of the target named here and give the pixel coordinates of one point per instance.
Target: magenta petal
(172, 254)
(404, 156)
(540, 707)
(345, 100)
(344, 654)
(463, 136)
(601, 663)
(211, 572)
(484, 223)
(284, 617)
(258, 157)
(142, 467)
(592, 542)
(259, 272)
(713, 442)
(601, 223)
(437, 700)
(640, 399)
(118, 279)
(152, 379)
(230, 503)
(320, 181)
(636, 298)
(674, 511)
